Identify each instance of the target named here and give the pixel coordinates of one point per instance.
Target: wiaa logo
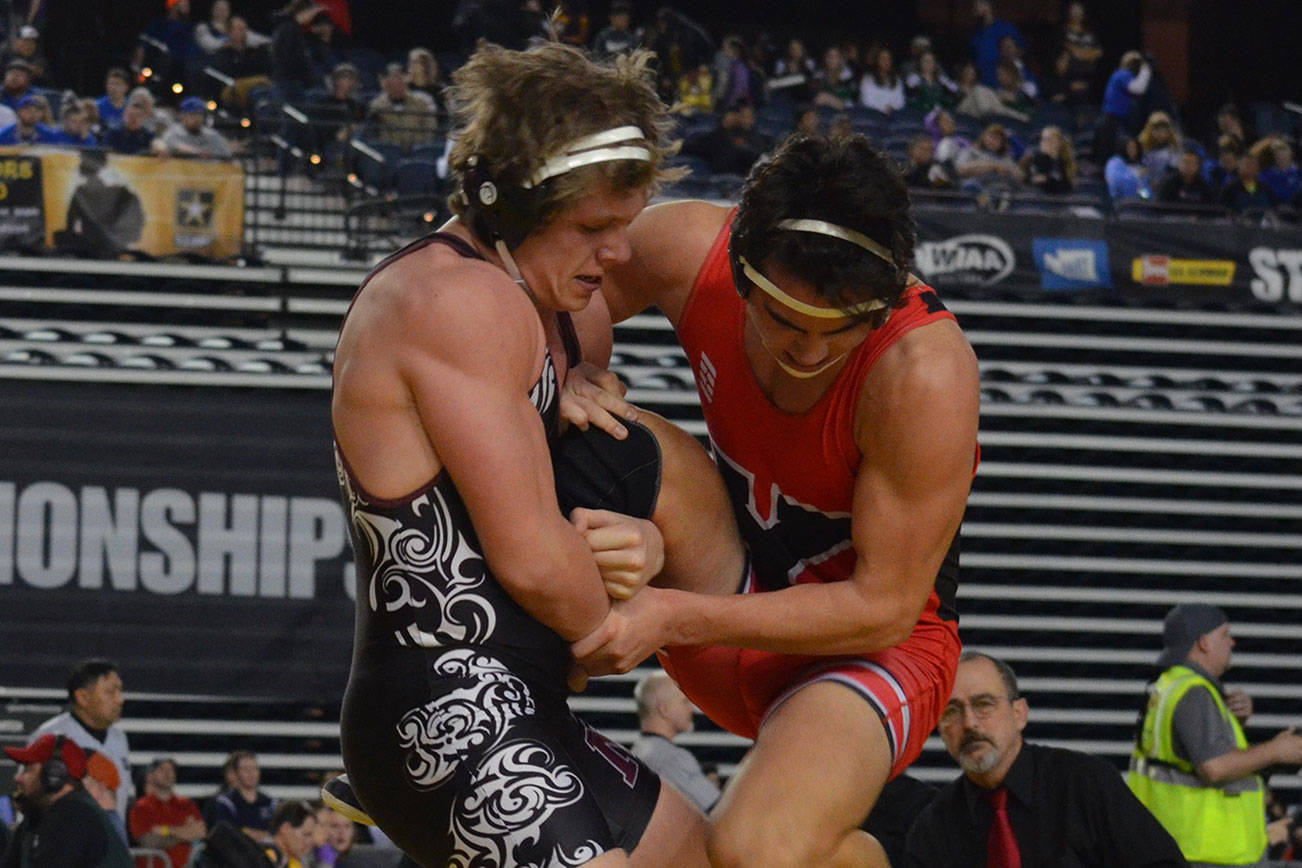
(970, 259)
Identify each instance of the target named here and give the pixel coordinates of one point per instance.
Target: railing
(342, 185)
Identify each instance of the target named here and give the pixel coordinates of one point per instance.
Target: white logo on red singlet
(708, 375)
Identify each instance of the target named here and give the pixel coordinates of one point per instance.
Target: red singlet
(790, 477)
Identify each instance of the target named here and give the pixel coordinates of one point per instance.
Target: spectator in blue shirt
(1278, 170)
(17, 82)
(1130, 80)
(75, 130)
(1125, 173)
(28, 130)
(176, 31)
(114, 101)
(985, 43)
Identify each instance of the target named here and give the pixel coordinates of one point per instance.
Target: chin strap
(508, 262)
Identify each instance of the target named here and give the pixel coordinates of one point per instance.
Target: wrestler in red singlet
(790, 478)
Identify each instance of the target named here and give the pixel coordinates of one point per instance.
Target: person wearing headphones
(62, 825)
(841, 400)
(455, 731)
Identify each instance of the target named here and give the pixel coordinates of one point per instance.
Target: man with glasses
(1020, 805)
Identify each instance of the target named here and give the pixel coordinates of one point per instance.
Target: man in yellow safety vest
(1192, 765)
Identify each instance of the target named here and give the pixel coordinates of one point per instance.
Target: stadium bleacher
(1133, 457)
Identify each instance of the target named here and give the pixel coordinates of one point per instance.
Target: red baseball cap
(42, 751)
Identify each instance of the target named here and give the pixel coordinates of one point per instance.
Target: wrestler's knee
(741, 843)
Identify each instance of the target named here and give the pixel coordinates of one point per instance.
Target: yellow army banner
(98, 203)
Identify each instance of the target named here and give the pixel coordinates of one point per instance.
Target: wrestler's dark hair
(86, 673)
(1005, 671)
(843, 180)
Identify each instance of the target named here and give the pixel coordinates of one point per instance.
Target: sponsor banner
(22, 204)
(1072, 263)
(1183, 260)
(194, 535)
(1159, 270)
(104, 204)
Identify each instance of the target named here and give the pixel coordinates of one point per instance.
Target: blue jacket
(42, 136)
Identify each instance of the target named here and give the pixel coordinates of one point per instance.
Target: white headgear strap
(603, 147)
(822, 227)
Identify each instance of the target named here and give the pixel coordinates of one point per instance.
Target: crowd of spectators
(1024, 119)
(96, 782)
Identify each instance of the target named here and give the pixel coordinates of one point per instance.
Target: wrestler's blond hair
(513, 109)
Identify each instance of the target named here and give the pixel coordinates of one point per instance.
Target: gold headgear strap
(801, 307)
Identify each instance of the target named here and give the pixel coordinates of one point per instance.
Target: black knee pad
(596, 471)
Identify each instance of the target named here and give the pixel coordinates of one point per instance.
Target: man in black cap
(1192, 765)
(62, 826)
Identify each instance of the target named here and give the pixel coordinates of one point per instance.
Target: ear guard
(498, 211)
(54, 771)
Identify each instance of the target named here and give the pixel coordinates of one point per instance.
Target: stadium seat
(416, 178)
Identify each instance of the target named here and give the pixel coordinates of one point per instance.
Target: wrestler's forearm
(564, 592)
(832, 618)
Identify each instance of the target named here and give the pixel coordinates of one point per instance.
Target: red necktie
(1001, 846)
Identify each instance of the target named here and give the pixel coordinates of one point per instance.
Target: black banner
(22, 202)
(193, 534)
(1176, 259)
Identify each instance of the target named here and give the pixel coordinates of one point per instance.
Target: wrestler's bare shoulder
(670, 241)
(435, 296)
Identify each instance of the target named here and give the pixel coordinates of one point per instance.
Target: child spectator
(1130, 80)
(949, 144)
(75, 131)
(114, 101)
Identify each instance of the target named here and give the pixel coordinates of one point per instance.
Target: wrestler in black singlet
(455, 731)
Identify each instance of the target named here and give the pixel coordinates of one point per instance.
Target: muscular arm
(917, 432)
(918, 443)
(462, 354)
